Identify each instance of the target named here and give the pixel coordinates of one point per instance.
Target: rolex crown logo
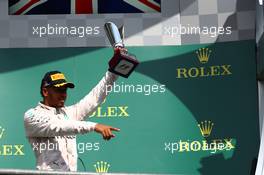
(101, 167)
(203, 55)
(206, 128)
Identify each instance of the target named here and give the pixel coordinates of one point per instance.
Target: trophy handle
(113, 34)
(122, 33)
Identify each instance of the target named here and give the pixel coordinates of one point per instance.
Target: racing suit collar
(46, 107)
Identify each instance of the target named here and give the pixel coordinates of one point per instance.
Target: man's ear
(45, 92)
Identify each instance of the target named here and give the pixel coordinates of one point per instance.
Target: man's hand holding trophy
(122, 63)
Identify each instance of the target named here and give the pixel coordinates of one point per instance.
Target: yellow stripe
(57, 76)
(59, 85)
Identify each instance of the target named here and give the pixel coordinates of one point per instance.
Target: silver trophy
(122, 63)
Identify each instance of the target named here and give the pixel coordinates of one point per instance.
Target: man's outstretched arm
(90, 102)
(38, 125)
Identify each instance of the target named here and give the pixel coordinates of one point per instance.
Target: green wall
(222, 91)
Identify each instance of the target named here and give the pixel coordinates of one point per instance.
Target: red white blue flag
(31, 7)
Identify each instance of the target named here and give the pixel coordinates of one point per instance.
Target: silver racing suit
(52, 131)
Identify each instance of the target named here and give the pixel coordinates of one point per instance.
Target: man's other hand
(106, 131)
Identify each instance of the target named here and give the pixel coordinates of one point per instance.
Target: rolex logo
(206, 128)
(101, 167)
(203, 55)
(2, 130)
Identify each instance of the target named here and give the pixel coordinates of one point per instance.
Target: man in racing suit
(51, 127)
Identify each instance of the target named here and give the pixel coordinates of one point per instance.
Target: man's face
(55, 97)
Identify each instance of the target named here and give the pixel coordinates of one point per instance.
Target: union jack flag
(31, 7)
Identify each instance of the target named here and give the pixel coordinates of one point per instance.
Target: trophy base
(123, 64)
